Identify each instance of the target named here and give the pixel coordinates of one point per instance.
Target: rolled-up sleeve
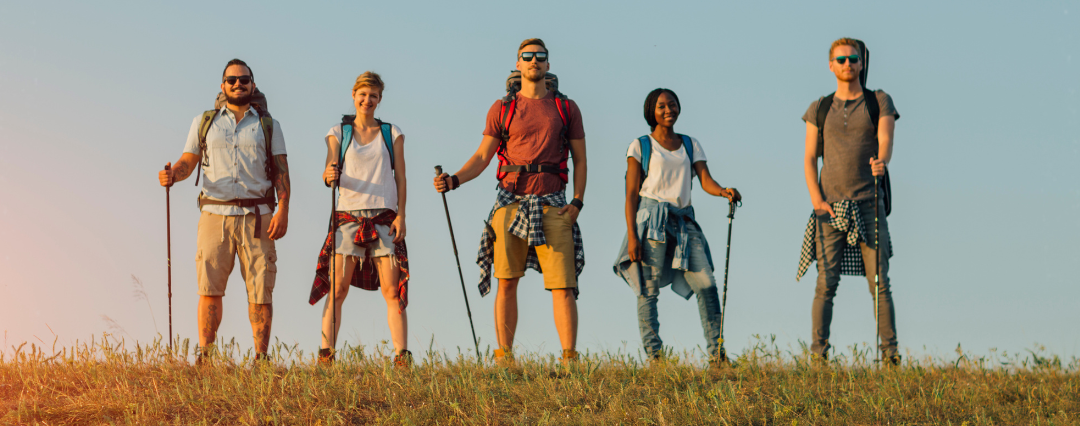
(192, 144)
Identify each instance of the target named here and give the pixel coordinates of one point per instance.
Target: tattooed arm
(181, 170)
(280, 223)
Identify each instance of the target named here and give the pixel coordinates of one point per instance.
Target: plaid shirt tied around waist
(848, 220)
(367, 277)
(528, 224)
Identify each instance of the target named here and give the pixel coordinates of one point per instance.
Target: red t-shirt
(535, 138)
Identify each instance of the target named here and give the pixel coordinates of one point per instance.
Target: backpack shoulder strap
(267, 123)
(388, 139)
(688, 145)
(646, 154)
(822, 112)
(204, 129)
(872, 106)
(346, 137)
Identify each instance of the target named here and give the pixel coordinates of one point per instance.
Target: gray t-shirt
(850, 142)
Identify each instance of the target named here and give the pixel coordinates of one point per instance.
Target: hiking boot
(819, 360)
(262, 358)
(504, 358)
(568, 356)
(202, 358)
(403, 360)
(326, 357)
(890, 360)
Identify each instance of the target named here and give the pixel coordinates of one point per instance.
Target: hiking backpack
(346, 138)
(258, 102)
(646, 154)
(874, 110)
(506, 115)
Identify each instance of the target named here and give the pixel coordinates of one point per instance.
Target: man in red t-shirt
(531, 225)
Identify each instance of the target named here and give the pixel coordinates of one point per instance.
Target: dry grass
(102, 383)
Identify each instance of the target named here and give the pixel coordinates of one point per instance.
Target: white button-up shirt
(237, 154)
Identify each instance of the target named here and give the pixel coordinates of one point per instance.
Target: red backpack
(506, 115)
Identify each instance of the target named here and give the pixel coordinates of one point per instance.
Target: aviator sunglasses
(843, 59)
(528, 56)
(244, 79)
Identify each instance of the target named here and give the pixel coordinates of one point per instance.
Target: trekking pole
(877, 271)
(727, 262)
(333, 266)
(168, 253)
(476, 343)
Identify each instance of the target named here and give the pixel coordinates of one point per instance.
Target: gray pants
(830, 246)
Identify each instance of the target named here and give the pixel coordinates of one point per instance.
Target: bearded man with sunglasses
(236, 203)
(843, 233)
(531, 225)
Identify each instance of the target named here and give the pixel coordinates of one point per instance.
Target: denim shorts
(346, 234)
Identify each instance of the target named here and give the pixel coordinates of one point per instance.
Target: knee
(508, 286)
(826, 290)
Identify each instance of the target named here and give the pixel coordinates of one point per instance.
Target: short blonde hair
(369, 79)
(845, 41)
(530, 42)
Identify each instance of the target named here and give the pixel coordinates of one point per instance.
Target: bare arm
(474, 166)
(581, 168)
(399, 173)
(633, 198)
(810, 167)
(709, 185)
(279, 224)
(886, 126)
(181, 170)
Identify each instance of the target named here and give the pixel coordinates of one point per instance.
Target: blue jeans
(656, 271)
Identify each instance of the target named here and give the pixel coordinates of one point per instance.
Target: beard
(533, 75)
(239, 100)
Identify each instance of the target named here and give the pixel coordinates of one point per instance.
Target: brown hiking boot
(326, 357)
(568, 356)
(403, 360)
(202, 358)
(504, 358)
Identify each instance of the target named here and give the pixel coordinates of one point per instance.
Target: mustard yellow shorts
(224, 238)
(556, 257)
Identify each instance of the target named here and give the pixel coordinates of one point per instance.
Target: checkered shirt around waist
(528, 224)
(848, 220)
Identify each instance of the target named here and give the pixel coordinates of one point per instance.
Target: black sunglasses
(843, 59)
(528, 56)
(244, 79)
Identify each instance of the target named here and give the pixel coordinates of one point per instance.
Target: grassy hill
(101, 382)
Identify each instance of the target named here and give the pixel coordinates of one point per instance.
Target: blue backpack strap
(646, 153)
(388, 139)
(688, 145)
(346, 137)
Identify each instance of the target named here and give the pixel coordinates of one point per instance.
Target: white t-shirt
(367, 181)
(670, 175)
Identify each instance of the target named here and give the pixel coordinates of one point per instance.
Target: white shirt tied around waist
(367, 181)
(670, 175)
(237, 154)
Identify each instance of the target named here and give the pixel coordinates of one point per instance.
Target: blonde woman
(368, 227)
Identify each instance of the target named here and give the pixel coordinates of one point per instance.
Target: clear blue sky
(96, 97)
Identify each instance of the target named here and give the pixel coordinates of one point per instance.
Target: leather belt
(243, 202)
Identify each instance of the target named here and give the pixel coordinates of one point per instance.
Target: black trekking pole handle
(468, 310)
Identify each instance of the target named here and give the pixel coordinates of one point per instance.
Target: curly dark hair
(650, 105)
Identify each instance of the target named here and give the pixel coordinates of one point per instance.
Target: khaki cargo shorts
(556, 257)
(224, 238)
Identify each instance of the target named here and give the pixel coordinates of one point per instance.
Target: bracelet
(455, 183)
(577, 203)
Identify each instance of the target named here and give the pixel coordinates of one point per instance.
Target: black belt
(532, 168)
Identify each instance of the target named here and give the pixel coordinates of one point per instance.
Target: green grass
(101, 382)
